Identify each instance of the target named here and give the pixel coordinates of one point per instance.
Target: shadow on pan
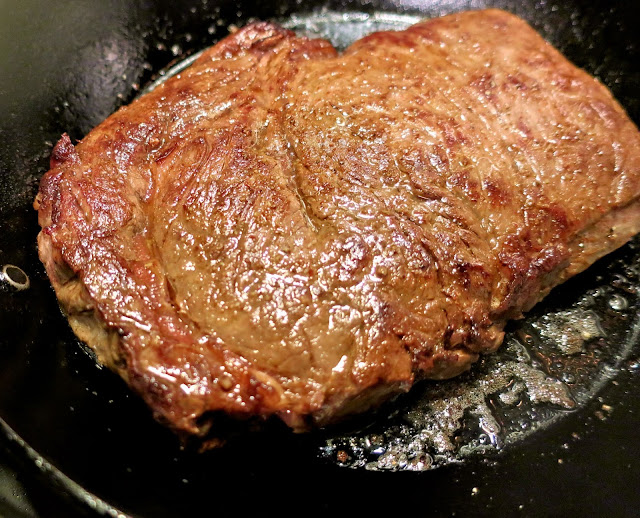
(79, 443)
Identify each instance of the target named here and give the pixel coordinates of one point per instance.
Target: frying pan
(77, 442)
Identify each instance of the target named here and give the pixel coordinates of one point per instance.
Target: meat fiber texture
(283, 230)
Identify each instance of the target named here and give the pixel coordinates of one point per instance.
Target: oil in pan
(554, 361)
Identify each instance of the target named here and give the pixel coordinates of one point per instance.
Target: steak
(283, 230)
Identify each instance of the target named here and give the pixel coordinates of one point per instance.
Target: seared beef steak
(283, 230)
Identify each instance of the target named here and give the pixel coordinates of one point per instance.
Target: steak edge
(283, 230)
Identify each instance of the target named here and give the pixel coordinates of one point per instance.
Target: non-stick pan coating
(77, 429)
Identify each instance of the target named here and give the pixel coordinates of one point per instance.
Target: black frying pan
(73, 429)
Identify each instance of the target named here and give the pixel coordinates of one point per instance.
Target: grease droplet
(618, 303)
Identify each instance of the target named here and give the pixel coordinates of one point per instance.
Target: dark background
(70, 429)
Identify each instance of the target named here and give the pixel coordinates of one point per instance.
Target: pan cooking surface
(564, 362)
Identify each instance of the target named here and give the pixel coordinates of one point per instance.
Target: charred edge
(62, 152)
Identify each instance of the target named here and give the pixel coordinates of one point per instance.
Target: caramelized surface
(282, 230)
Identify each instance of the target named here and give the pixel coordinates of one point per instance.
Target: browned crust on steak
(284, 231)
